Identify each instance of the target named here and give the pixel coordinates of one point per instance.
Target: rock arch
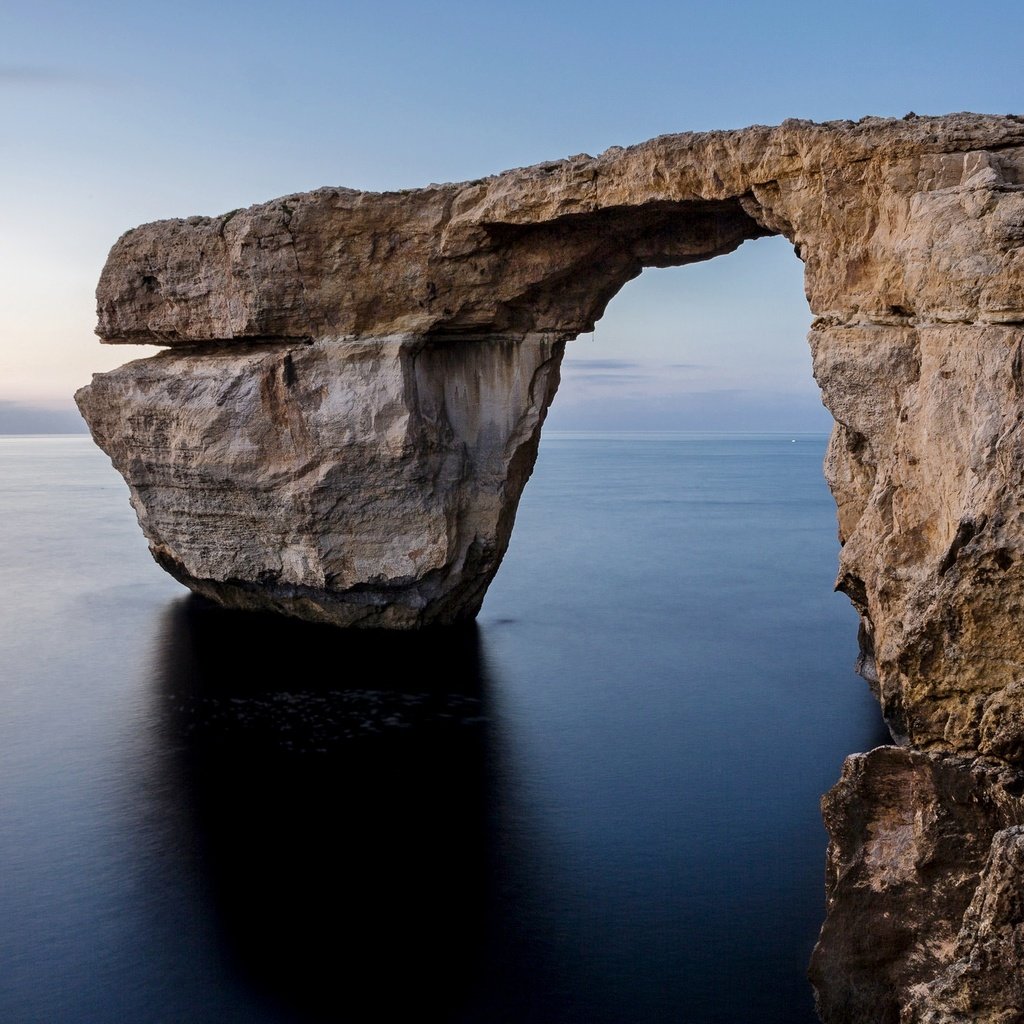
(354, 385)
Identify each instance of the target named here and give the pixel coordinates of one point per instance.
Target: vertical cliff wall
(370, 483)
(355, 384)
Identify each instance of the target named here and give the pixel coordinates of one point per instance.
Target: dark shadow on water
(352, 818)
(338, 804)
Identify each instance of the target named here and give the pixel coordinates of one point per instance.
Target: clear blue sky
(117, 113)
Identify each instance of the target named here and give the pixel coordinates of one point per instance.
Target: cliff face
(368, 484)
(920, 895)
(355, 384)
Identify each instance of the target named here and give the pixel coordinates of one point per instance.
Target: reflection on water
(600, 806)
(337, 788)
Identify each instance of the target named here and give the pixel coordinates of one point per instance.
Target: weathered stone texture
(912, 234)
(984, 983)
(926, 468)
(371, 484)
(911, 833)
(921, 218)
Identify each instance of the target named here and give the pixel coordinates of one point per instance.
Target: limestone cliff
(910, 877)
(355, 385)
(372, 483)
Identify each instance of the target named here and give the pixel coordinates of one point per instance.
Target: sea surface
(607, 813)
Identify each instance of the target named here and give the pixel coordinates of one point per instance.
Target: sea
(606, 811)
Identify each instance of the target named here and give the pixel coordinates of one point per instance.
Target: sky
(113, 114)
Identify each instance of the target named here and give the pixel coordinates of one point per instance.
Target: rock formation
(372, 482)
(355, 384)
(911, 835)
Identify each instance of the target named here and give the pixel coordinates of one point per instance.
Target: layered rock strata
(355, 385)
(367, 484)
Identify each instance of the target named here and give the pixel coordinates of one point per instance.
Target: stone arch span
(353, 388)
(354, 384)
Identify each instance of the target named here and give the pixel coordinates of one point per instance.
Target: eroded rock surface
(984, 983)
(911, 834)
(373, 483)
(354, 390)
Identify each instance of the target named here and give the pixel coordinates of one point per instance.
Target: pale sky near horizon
(114, 114)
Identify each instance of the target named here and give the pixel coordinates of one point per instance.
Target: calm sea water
(608, 813)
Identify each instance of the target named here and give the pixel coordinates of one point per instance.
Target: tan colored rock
(912, 234)
(917, 219)
(984, 984)
(371, 484)
(926, 467)
(920, 878)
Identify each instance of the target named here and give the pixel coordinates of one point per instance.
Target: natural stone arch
(355, 385)
(352, 398)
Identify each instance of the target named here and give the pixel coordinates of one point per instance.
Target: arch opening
(696, 665)
(714, 345)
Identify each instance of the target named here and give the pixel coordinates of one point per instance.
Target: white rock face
(371, 482)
